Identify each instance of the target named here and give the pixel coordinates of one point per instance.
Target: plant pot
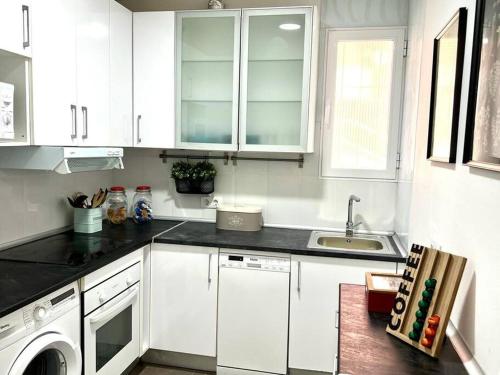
(194, 187)
(207, 187)
(183, 186)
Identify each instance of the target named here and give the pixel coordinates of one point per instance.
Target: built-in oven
(111, 319)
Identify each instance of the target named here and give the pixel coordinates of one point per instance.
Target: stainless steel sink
(358, 243)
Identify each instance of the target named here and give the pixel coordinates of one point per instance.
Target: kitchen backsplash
(289, 196)
(35, 202)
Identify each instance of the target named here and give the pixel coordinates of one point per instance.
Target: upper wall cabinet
(270, 94)
(81, 58)
(120, 76)
(208, 51)
(276, 107)
(15, 72)
(15, 27)
(154, 79)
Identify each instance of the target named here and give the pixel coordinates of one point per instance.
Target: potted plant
(194, 179)
(181, 173)
(203, 175)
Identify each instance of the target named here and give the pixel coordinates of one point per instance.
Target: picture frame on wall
(446, 88)
(482, 134)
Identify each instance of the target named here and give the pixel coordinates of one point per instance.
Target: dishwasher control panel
(254, 262)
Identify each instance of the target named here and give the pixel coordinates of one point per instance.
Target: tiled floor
(142, 369)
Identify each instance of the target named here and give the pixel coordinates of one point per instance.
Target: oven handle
(115, 308)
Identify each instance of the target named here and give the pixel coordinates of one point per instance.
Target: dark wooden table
(365, 347)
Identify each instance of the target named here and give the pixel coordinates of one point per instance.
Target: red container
(381, 289)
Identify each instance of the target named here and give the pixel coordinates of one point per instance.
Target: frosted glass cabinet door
(275, 79)
(207, 44)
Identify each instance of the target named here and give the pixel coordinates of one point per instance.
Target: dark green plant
(181, 170)
(203, 171)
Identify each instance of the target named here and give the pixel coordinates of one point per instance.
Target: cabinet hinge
(398, 160)
(405, 48)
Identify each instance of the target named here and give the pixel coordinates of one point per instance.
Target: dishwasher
(252, 328)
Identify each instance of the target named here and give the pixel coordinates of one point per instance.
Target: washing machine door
(49, 354)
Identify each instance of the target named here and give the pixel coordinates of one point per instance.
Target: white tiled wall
(288, 195)
(35, 202)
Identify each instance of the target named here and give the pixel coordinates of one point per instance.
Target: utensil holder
(87, 220)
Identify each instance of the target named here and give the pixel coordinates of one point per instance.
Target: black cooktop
(69, 249)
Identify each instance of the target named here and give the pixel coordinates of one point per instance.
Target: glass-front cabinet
(275, 79)
(254, 93)
(208, 52)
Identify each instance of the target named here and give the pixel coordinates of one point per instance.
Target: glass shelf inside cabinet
(207, 80)
(274, 89)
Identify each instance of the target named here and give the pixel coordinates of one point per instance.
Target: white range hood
(62, 160)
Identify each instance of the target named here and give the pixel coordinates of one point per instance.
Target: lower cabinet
(184, 299)
(314, 299)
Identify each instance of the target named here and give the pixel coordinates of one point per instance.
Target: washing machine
(43, 338)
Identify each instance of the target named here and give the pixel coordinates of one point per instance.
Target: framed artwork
(482, 134)
(447, 70)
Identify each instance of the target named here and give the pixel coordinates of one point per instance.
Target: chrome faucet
(349, 226)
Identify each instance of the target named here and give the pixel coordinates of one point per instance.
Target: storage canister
(88, 220)
(116, 205)
(142, 205)
(236, 217)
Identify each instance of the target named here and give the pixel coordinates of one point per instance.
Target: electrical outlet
(210, 201)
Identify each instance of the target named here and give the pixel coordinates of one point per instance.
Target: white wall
(35, 202)
(409, 121)
(288, 195)
(456, 207)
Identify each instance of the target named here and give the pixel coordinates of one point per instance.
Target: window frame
(332, 37)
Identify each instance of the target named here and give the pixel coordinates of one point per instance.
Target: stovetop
(69, 249)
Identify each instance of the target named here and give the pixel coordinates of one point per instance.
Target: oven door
(111, 334)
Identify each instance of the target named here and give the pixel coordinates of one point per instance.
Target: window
(363, 96)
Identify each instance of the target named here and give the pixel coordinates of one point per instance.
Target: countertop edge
(306, 252)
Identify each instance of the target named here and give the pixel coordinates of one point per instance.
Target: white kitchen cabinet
(71, 73)
(278, 71)
(207, 68)
(184, 299)
(15, 25)
(261, 101)
(119, 131)
(92, 67)
(314, 299)
(54, 73)
(154, 79)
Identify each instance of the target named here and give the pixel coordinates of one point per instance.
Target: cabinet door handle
(298, 276)
(139, 117)
(73, 121)
(209, 268)
(26, 26)
(337, 319)
(85, 134)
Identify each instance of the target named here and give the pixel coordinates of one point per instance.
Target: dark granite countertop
(291, 241)
(22, 282)
(30, 271)
(365, 347)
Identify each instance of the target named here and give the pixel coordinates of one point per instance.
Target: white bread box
(239, 217)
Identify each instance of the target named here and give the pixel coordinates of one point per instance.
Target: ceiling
(155, 5)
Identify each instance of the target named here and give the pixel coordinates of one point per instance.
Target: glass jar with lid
(116, 205)
(142, 205)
